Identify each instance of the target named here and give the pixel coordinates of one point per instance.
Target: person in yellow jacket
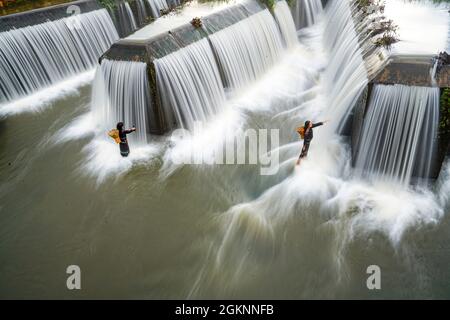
(120, 136)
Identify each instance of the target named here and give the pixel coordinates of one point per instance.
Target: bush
(196, 22)
(382, 30)
(444, 124)
(269, 3)
(107, 3)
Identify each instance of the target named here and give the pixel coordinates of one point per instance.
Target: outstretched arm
(129, 131)
(319, 123)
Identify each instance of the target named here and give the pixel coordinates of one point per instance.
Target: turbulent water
(122, 94)
(415, 38)
(306, 12)
(399, 132)
(147, 227)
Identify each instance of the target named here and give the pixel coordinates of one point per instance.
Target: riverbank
(13, 7)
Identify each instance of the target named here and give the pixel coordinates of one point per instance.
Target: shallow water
(144, 227)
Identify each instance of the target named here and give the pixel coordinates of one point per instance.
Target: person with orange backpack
(120, 136)
(306, 133)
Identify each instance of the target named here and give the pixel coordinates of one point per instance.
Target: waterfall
(127, 22)
(286, 23)
(248, 48)
(130, 15)
(37, 56)
(121, 93)
(142, 14)
(156, 6)
(306, 12)
(433, 71)
(399, 132)
(189, 84)
(346, 75)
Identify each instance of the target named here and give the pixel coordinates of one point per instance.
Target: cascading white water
(399, 132)
(286, 23)
(433, 71)
(248, 48)
(37, 56)
(127, 22)
(411, 17)
(189, 80)
(189, 84)
(121, 94)
(156, 6)
(346, 75)
(142, 14)
(130, 15)
(260, 214)
(306, 12)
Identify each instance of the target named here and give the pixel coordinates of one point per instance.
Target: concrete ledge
(121, 21)
(412, 71)
(38, 16)
(163, 44)
(359, 114)
(166, 43)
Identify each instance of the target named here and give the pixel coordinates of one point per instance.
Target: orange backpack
(114, 133)
(301, 132)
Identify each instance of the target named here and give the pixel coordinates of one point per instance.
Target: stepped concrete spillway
(38, 16)
(44, 47)
(139, 48)
(127, 16)
(406, 77)
(413, 71)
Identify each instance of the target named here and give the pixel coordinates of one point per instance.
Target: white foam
(103, 159)
(81, 127)
(423, 26)
(39, 100)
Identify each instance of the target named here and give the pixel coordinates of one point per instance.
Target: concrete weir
(411, 71)
(37, 16)
(127, 16)
(162, 44)
(64, 41)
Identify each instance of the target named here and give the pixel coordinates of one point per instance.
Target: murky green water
(137, 236)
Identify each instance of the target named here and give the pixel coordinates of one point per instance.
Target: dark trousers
(124, 149)
(305, 149)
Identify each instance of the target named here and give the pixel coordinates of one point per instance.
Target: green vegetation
(206, 1)
(107, 3)
(17, 6)
(269, 3)
(382, 30)
(291, 3)
(444, 123)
